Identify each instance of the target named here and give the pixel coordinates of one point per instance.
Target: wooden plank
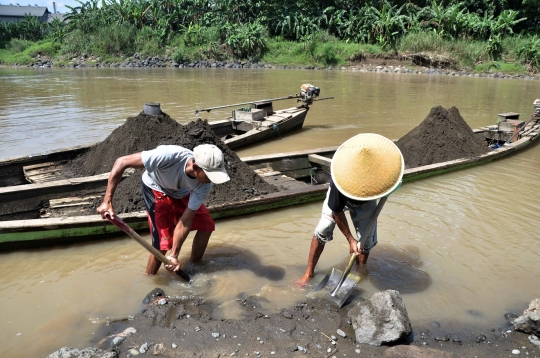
(278, 156)
(73, 200)
(43, 177)
(480, 130)
(298, 173)
(54, 155)
(43, 165)
(78, 203)
(44, 187)
(267, 173)
(319, 159)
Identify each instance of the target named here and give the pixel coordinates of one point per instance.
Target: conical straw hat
(367, 166)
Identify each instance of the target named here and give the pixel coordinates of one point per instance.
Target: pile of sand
(146, 132)
(442, 136)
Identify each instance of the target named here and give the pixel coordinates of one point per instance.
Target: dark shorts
(164, 213)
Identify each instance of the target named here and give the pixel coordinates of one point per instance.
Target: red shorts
(165, 212)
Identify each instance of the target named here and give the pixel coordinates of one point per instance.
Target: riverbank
(406, 64)
(176, 326)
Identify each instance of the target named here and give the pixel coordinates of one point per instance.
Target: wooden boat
(302, 177)
(235, 134)
(246, 126)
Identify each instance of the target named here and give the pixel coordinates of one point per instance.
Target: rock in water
(381, 319)
(529, 321)
(83, 352)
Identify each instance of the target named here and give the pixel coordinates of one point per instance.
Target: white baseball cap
(210, 159)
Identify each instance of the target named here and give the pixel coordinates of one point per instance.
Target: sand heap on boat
(442, 136)
(145, 132)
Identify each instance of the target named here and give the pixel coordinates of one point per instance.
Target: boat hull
(288, 167)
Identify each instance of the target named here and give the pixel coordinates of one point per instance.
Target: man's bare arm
(343, 225)
(120, 165)
(181, 232)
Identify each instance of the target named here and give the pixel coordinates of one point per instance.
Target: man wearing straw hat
(364, 168)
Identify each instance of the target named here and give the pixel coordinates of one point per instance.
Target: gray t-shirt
(166, 172)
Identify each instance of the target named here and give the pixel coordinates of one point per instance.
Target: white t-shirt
(166, 172)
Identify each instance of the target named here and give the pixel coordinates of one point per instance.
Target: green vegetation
(471, 34)
(23, 51)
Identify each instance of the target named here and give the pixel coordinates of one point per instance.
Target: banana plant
(505, 22)
(388, 24)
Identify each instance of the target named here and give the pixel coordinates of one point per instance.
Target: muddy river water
(462, 248)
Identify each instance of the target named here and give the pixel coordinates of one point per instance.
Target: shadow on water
(389, 269)
(394, 269)
(236, 258)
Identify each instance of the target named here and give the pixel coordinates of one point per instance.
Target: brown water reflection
(459, 243)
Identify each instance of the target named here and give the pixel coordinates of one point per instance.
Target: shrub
(43, 48)
(322, 48)
(421, 41)
(247, 41)
(181, 54)
(19, 58)
(495, 48)
(529, 53)
(19, 45)
(76, 42)
(148, 41)
(114, 39)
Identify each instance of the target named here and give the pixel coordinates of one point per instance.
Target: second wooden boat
(301, 176)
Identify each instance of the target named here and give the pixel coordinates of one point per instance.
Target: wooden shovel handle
(115, 220)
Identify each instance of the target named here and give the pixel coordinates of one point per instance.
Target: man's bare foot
(362, 270)
(303, 281)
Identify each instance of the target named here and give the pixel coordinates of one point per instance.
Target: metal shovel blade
(330, 282)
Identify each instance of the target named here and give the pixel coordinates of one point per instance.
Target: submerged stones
(442, 136)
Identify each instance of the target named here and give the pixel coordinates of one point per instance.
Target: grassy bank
(513, 54)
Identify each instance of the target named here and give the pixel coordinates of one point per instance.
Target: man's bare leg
(315, 251)
(153, 264)
(362, 258)
(200, 242)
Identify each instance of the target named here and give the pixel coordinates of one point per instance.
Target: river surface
(462, 248)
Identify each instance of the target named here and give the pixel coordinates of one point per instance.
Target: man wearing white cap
(175, 185)
(365, 168)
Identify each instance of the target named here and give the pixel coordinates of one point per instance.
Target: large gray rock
(529, 321)
(67, 352)
(381, 319)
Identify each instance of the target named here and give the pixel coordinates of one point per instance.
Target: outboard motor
(308, 93)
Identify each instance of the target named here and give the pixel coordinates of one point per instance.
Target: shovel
(341, 283)
(128, 230)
